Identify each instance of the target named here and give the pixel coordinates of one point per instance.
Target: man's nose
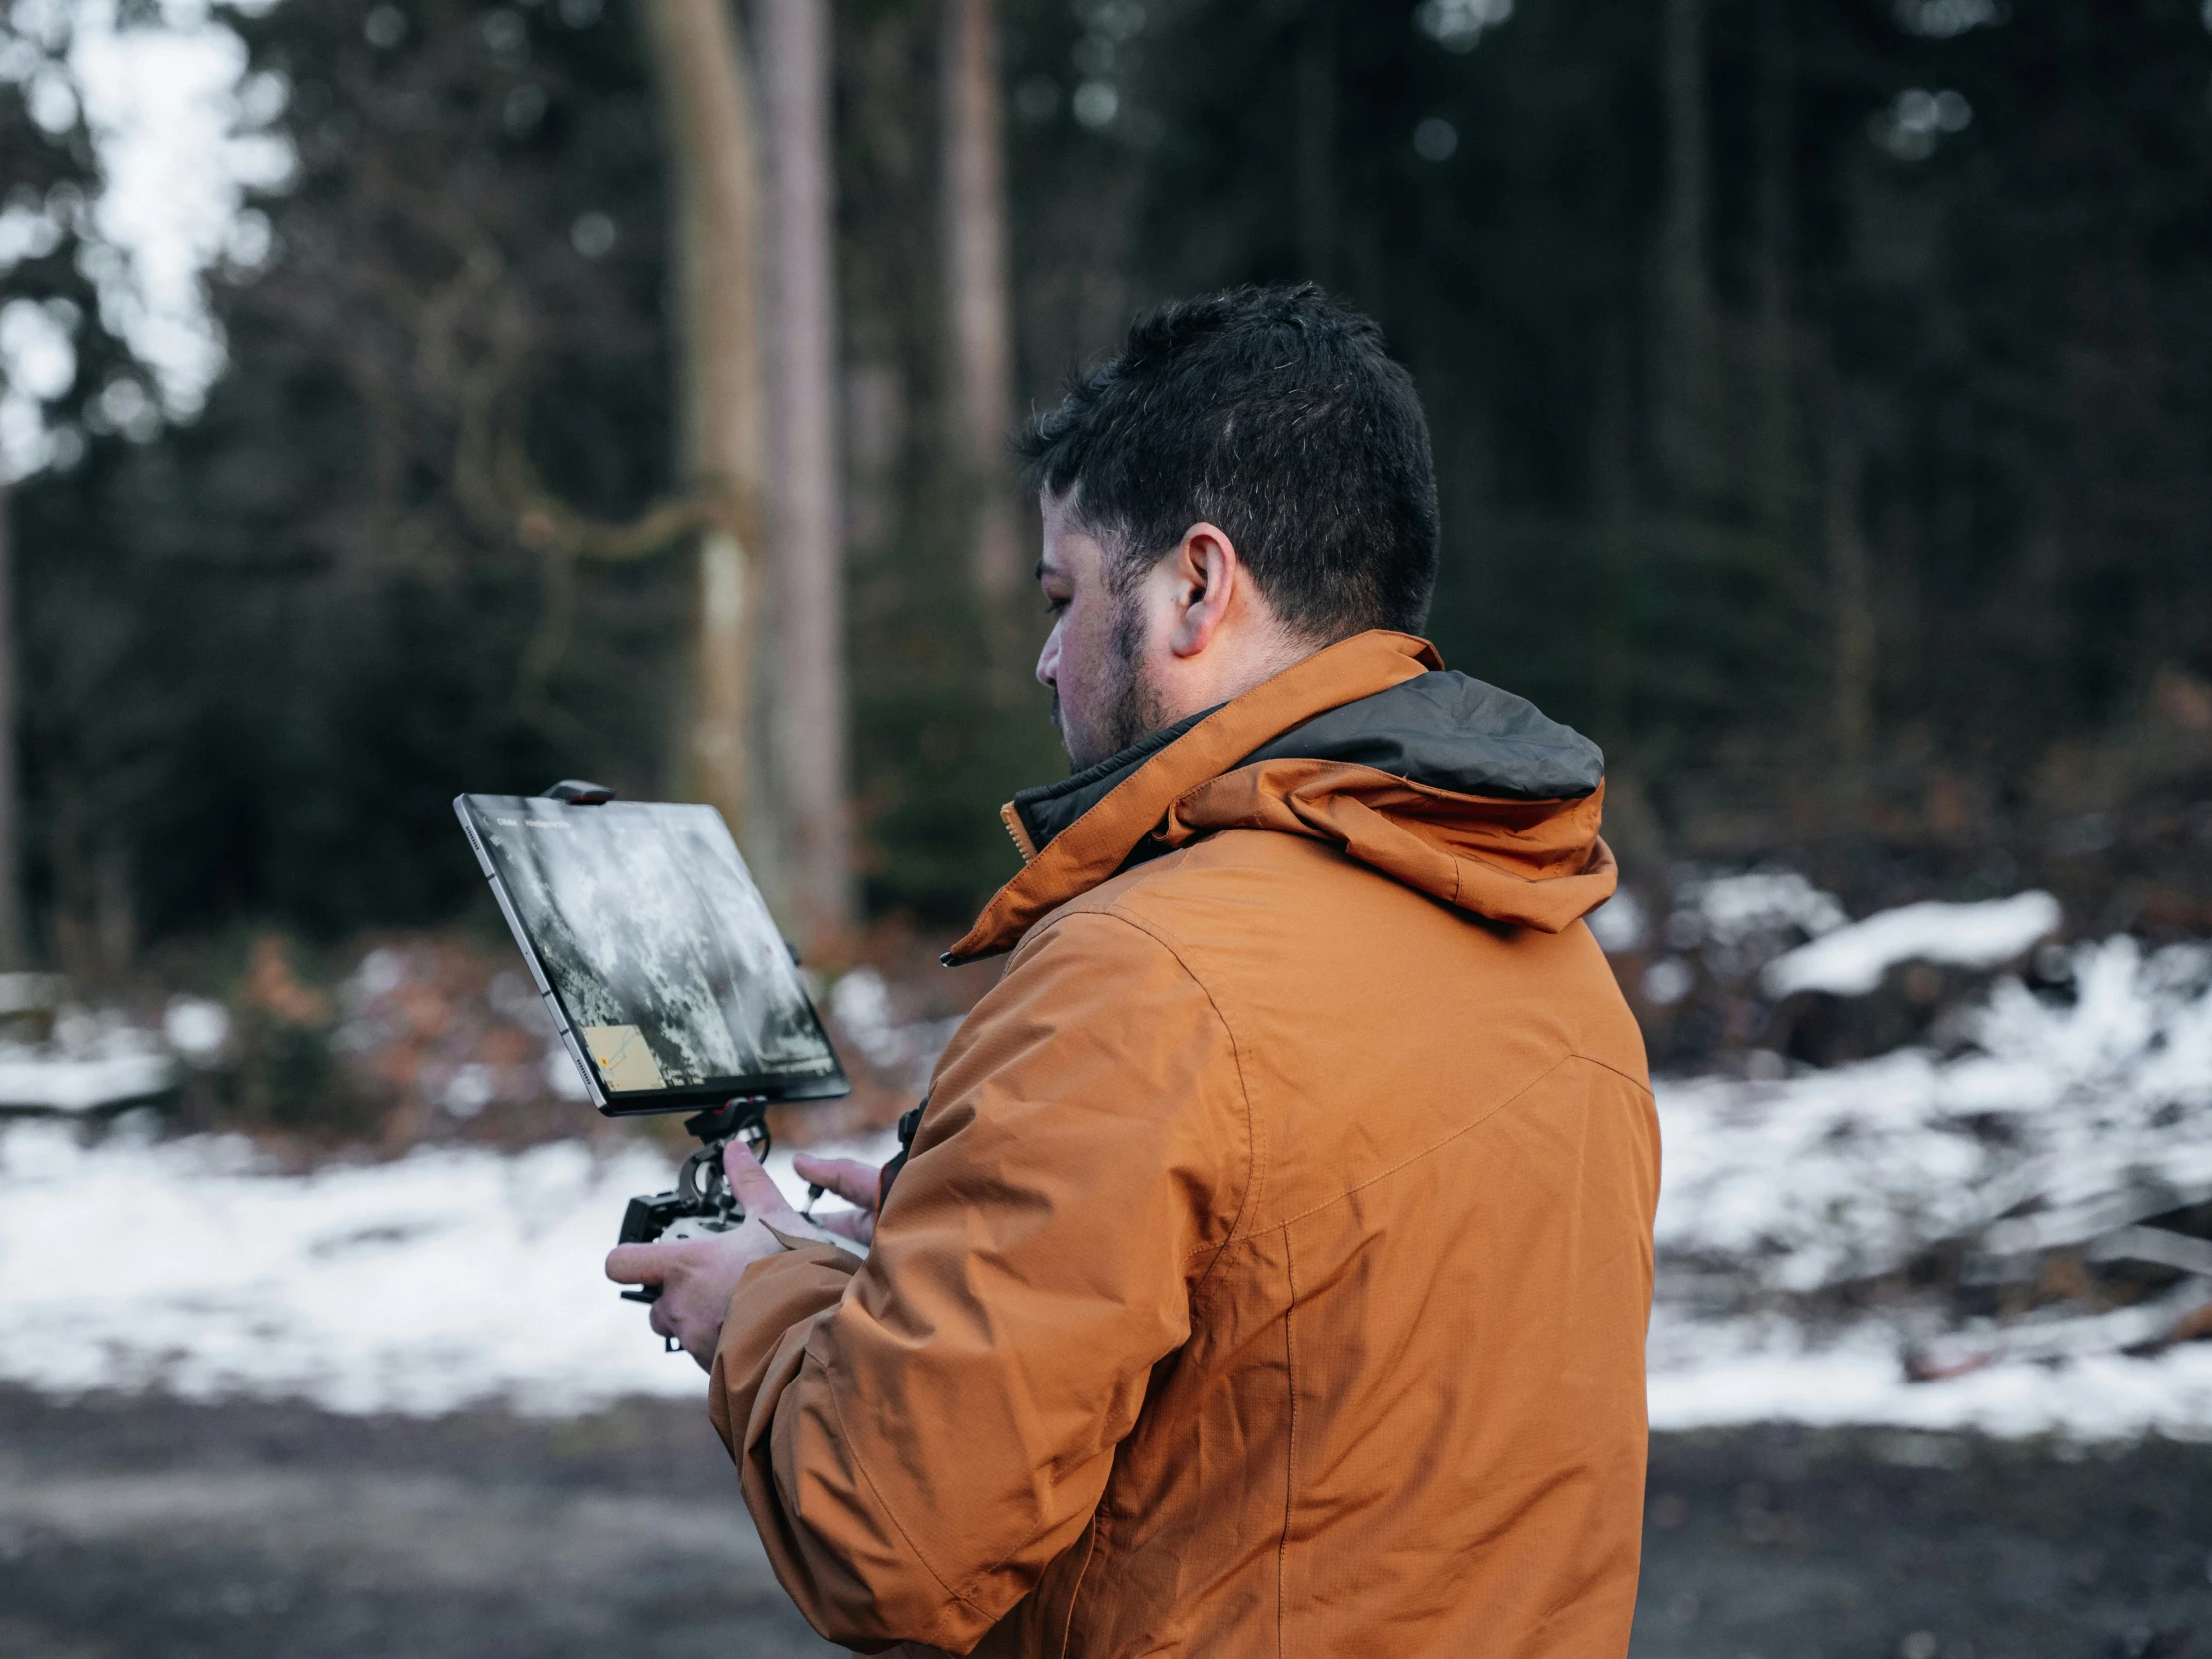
(1048, 661)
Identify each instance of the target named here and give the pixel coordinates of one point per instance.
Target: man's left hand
(698, 1276)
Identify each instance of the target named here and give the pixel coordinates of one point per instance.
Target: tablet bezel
(772, 1089)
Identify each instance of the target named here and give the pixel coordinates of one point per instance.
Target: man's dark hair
(1275, 415)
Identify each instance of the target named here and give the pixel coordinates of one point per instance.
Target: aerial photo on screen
(672, 973)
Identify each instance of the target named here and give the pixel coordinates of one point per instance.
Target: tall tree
(976, 281)
(708, 124)
(14, 937)
(62, 373)
(809, 704)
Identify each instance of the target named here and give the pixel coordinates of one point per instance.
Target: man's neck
(1229, 668)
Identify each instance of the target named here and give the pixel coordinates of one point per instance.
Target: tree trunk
(1686, 373)
(809, 706)
(707, 124)
(976, 280)
(14, 952)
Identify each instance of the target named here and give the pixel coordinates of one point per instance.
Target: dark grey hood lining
(1048, 808)
(1450, 731)
(1441, 728)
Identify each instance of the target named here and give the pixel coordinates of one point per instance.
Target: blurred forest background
(1821, 392)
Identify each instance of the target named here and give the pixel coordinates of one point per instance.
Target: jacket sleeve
(920, 1437)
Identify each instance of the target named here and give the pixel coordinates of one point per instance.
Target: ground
(149, 1527)
(1792, 1544)
(153, 1529)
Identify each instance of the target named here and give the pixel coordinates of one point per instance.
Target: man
(1270, 1271)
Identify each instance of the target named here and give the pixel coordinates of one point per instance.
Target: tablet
(664, 974)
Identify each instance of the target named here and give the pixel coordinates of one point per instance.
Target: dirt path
(1789, 1544)
(153, 1529)
(148, 1527)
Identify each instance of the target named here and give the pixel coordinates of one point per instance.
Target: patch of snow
(456, 1275)
(446, 1278)
(470, 1090)
(1621, 924)
(561, 1074)
(1736, 909)
(1838, 1175)
(31, 1079)
(93, 1060)
(1667, 982)
(195, 1027)
(861, 1005)
(1851, 960)
(1708, 1373)
(382, 971)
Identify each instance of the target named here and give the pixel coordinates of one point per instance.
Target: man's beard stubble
(1134, 708)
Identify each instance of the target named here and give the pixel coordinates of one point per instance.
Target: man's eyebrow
(1044, 570)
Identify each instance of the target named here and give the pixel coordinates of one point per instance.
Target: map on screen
(660, 959)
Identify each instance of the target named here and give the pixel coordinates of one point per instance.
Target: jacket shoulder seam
(1254, 1174)
(1641, 1085)
(1434, 1147)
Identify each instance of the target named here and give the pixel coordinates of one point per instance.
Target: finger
(639, 1264)
(756, 1188)
(856, 1224)
(849, 1178)
(662, 1319)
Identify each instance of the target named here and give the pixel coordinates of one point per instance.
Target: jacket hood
(1451, 786)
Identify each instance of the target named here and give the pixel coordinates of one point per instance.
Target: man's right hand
(854, 1182)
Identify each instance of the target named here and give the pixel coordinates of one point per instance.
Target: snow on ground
(1842, 1174)
(2098, 1106)
(456, 1275)
(91, 1059)
(70, 1083)
(419, 1285)
(1708, 1373)
(1851, 960)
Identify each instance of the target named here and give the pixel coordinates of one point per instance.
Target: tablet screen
(652, 944)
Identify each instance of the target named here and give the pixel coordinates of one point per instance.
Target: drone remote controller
(701, 1203)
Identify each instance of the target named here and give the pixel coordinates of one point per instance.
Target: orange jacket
(1271, 1272)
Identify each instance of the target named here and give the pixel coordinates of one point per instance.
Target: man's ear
(1207, 575)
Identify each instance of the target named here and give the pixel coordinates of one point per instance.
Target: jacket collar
(1122, 799)
(1035, 816)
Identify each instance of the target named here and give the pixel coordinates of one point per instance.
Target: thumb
(756, 1189)
(638, 1264)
